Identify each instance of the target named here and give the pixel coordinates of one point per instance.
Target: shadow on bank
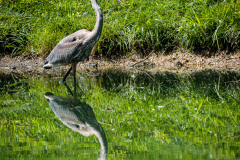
(203, 82)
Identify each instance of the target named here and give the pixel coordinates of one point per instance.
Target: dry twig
(141, 60)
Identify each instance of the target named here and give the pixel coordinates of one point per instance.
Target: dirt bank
(178, 62)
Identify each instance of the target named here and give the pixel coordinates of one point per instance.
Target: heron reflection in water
(78, 116)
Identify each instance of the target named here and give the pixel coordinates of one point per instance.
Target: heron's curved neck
(96, 32)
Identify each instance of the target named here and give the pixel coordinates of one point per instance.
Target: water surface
(142, 116)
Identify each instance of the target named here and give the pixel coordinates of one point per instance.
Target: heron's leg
(64, 78)
(64, 81)
(74, 65)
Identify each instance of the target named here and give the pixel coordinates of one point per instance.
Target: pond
(121, 115)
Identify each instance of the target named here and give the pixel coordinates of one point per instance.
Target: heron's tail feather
(47, 65)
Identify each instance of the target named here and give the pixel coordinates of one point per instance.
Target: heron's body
(77, 46)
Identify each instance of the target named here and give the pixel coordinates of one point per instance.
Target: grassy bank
(35, 27)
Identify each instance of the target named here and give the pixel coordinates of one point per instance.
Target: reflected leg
(69, 90)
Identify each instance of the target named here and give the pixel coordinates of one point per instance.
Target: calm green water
(122, 115)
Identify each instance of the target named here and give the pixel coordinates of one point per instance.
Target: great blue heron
(78, 116)
(77, 46)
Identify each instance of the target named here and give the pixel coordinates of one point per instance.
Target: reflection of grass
(29, 128)
(137, 115)
(31, 26)
(184, 111)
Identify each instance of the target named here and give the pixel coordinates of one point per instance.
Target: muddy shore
(178, 62)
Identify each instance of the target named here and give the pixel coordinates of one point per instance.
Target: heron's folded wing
(65, 52)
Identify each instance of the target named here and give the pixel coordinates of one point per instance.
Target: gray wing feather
(68, 48)
(65, 52)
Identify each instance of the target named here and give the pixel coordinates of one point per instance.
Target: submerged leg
(64, 78)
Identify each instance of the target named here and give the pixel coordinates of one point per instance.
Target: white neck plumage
(96, 32)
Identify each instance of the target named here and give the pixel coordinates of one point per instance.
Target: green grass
(145, 115)
(35, 27)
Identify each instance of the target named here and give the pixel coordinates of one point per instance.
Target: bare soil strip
(178, 62)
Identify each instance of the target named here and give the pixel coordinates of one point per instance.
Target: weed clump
(145, 25)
